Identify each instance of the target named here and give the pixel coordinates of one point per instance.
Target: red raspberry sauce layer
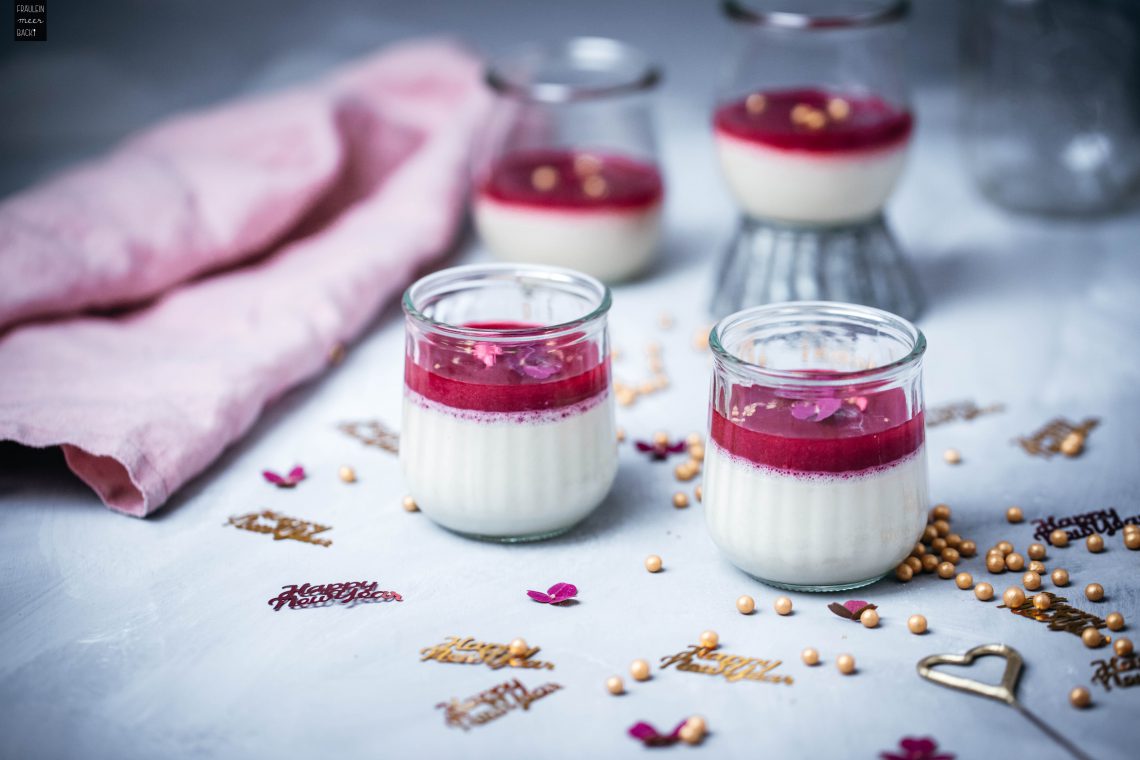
(846, 442)
(871, 123)
(577, 372)
(625, 184)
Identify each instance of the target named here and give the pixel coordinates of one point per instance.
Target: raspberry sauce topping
(536, 375)
(844, 434)
(815, 121)
(569, 180)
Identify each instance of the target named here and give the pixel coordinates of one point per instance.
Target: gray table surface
(152, 638)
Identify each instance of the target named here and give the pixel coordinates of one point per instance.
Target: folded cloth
(342, 189)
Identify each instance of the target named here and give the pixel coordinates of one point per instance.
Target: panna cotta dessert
(594, 212)
(508, 422)
(810, 156)
(815, 472)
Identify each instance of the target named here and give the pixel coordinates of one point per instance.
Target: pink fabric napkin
(340, 190)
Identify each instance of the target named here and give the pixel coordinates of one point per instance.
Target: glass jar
(815, 472)
(565, 171)
(1051, 102)
(508, 425)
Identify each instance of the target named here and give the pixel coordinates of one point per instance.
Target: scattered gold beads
(1014, 515)
(1042, 602)
(940, 512)
(810, 656)
(410, 504)
(685, 471)
(995, 563)
(653, 563)
(1013, 597)
(697, 492)
(661, 438)
(614, 685)
(745, 605)
(1131, 538)
(1036, 551)
(1015, 562)
(1094, 592)
(544, 178)
(869, 619)
(594, 186)
(518, 647)
(1060, 577)
(680, 500)
(942, 527)
(1122, 646)
(1079, 696)
(916, 624)
(968, 548)
(1095, 543)
(984, 592)
(1005, 546)
(1059, 537)
(945, 570)
(964, 581)
(1114, 621)
(783, 605)
(639, 669)
(929, 533)
(620, 434)
(1092, 637)
(914, 562)
(904, 572)
(755, 103)
(1073, 443)
(951, 555)
(838, 109)
(1037, 567)
(938, 545)
(952, 456)
(347, 474)
(953, 540)
(690, 734)
(1031, 581)
(845, 663)
(929, 562)
(709, 639)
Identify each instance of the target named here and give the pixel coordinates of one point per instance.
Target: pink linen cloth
(330, 196)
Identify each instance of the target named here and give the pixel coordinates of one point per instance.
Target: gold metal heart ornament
(1006, 691)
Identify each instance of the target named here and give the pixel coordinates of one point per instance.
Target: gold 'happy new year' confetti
(958, 410)
(1118, 672)
(373, 433)
(493, 703)
(733, 667)
(468, 651)
(1060, 615)
(281, 527)
(1059, 436)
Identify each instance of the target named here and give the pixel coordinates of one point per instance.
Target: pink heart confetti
(295, 476)
(851, 610)
(556, 594)
(486, 353)
(650, 737)
(817, 410)
(659, 451)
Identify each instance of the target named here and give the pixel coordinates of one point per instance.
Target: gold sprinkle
(347, 474)
(815, 121)
(800, 113)
(620, 434)
(594, 186)
(952, 456)
(680, 500)
(1072, 445)
(544, 178)
(410, 504)
(838, 109)
(585, 164)
(755, 104)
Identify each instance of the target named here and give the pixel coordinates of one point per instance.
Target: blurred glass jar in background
(1051, 102)
(565, 171)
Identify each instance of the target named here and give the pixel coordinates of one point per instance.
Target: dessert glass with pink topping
(812, 131)
(565, 172)
(815, 472)
(508, 425)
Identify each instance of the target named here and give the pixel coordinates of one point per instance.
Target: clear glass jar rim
(595, 50)
(793, 309)
(742, 11)
(502, 272)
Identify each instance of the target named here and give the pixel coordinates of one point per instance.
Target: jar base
(858, 262)
(525, 539)
(819, 588)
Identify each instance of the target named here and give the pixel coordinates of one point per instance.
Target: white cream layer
(607, 244)
(809, 188)
(814, 529)
(508, 475)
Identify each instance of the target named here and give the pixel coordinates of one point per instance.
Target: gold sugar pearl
(745, 604)
(953, 540)
(1031, 581)
(1072, 444)
(916, 624)
(984, 592)
(661, 438)
(838, 109)
(869, 619)
(929, 563)
(810, 656)
(904, 572)
(929, 533)
(755, 103)
(680, 500)
(952, 456)
(1114, 621)
(698, 723)
(584, 164)
(1059, 537)
(1015, 562)
(800, 113)
(653, 563)
(943, 527)
(964, 581)
(697, 451)
(615, 686)
(410, 504)
(783, 605)
(693, 439)
(995, 564)
(620, 434)
(816, 120)
(1060, 577)
(940, 512)
(919, 549)
(698, 493)
(938, 545)
(914, 563)
(1095, 543)
(689, 735)
(639, 669)
(845, 663)
(1042, 601)
(1014, 515)
(1094, 592)
(1005, 546)
(594, 186)
(1037, 567)
(684, 472)
(945, 570)
(951, 555)
(1036, 551)
(518, 647)
(347, 474)
(1013, 597)
(968, 548)
(544, 178)
(1132, 540)
(709, 639)
(1092, 637)
(1080, 697)
(1122, 647)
